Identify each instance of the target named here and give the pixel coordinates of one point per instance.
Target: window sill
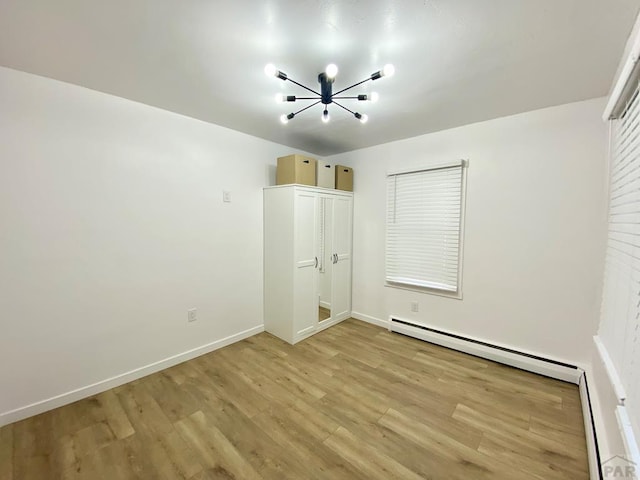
(430, 291)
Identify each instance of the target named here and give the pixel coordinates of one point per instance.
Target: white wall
(112, 225)
(534, 231)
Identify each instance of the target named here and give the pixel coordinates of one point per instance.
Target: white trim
(586, 399)
(372, 320)
(457, 294)
(103, 385)
(529, 364)
(628, 437)
(428, 291)
(463, 221)
(330, 323)
(612, 373)
(432, 166)
(323, 325)
(311, 188)
(625, 72)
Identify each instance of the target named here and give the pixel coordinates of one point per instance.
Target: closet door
(325, 254)
(341, 271)
(305, 296)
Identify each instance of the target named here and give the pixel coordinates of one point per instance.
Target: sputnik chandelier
(326, 95)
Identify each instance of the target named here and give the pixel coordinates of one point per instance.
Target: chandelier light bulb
(331, 70)
(327, 96)
(270, 70)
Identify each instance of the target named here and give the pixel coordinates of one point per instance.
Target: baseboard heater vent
(593, 449)
(498, 353)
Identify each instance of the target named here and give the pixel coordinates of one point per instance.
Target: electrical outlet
(226, 196)
(192, 315)
(414, 307)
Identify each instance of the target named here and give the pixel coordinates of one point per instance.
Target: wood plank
(560, 432)
(373, 463)
(257, 447)
(546, 467)
(115, 415)
(472, 463)
(6, 452)
(71, 448)
(213, 449)
(142, 410)
(352, 402)
(505, 442)
(174, 401)
(301, 443)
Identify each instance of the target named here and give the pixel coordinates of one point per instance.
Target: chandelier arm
(354, 85)
(306, 98)
(306, 88)
(308, 106)
(344, 98)
(342, 106)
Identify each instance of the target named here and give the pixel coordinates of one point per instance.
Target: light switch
(226, 197)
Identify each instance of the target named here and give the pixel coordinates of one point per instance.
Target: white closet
(307, 259)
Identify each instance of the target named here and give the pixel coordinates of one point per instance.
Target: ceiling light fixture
(326, 95)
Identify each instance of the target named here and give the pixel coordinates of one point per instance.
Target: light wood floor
(352, 402)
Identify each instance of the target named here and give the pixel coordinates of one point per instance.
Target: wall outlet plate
(414, 307)
(192, 315)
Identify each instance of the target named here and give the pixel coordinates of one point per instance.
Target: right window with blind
(425, 218)
(618, 337)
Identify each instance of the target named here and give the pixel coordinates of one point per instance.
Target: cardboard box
(326, 175)
(344, 178)
(296, 169)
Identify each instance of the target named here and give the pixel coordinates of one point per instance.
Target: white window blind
(424, 223)
(619, 329)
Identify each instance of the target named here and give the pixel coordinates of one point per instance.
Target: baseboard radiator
(498, 353)
(515, 358)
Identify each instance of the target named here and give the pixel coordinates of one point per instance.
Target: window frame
(464, 164)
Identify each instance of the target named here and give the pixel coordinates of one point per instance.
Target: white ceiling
(457, 61)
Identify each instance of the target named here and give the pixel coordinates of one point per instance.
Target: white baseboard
(98, 387)
(370, 319)
(593, 453)
(324, 324)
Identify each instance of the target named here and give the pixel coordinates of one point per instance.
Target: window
(618, 337)
(425, 211)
